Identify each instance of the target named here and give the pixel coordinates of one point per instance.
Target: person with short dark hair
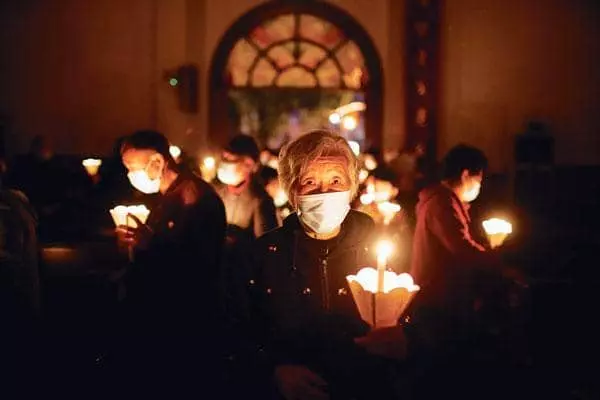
(250, 213)
(172, 288)
(442, 235)
(450, 265)
(314, 344)
(250, 210)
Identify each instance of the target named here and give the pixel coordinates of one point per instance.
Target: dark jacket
(305, 311)
(251, 211)
(176, 276)
(19, 251)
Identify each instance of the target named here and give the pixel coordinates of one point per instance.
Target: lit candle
(381, 308)
(388, 210)
(92, 165)
(207, 168)
(497, 230)
(122, 215)
(384, 250)
(175, 152)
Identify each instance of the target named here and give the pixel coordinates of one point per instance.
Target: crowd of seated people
(238, 284)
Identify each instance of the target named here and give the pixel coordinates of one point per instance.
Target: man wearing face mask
(250, 213)
(250, 210)
(172, 288)
(305, 316)
(448, 263)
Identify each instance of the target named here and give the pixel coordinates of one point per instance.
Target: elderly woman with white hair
(309, 325)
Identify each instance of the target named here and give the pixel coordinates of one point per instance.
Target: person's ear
(157, 165)
(252, 165)
(464, 176)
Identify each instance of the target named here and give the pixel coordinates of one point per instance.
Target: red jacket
(444, 250)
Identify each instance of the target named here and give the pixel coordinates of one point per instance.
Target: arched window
(286, 67)
(296, 50)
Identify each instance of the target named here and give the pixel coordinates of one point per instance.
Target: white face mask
(228, 174)
(471, 194)
(142, 182)
(325, 212)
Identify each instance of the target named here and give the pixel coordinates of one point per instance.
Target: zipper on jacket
(325, 281)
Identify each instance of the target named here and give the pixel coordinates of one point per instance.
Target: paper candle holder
(381, 309)
(497, 230)
(92, 165)
(121, 215)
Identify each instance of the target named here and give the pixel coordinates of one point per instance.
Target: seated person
(450, 265)
(304, 313)
(250, 210)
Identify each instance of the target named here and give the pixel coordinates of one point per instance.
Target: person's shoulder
(360, 221)
(271, 238)
(435, 195)
(195, 190)
(359, 227)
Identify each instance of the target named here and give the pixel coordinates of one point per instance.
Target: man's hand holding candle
(138, 237)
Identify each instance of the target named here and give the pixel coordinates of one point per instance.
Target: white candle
(384, 249)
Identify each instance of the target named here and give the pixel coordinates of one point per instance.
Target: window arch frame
(243, 27)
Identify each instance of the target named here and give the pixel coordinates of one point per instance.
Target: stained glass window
(297, 50)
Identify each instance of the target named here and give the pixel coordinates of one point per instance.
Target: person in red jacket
(452, 267)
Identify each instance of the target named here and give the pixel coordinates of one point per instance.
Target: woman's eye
(336, 181)
(308, 182)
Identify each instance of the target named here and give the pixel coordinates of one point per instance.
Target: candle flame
(384, 249)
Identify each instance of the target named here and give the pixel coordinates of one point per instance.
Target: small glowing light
(363, 174)
(355, 146)
(355, 106)
(173, 82)
(349, 123)
(370, 162)
(91, 165)
(388, 210)
(280, 198)
(273, 163)
(174, 151)
(209, 162)
(335, 118)
(367, 198)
